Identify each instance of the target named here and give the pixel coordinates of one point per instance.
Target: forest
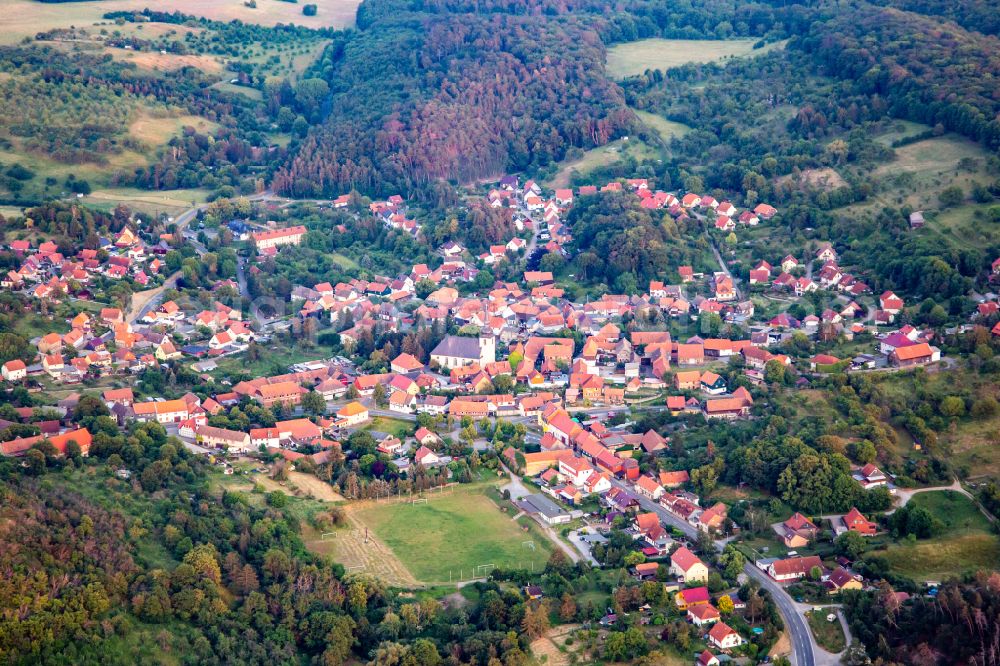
(620, 244)
(458, 96)
(960, 625)
(173, 566)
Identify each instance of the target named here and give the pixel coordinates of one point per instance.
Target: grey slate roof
(458, 346)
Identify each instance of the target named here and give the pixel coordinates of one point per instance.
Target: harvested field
(546, 649)
(25, 18)
(167, 62)
(360, 551)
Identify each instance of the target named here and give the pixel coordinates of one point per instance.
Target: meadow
(632, 58)
(25, 18)
(829, 635)
(921, 170)
(667, 129)
(966, 544)
(148, 202)
(450, 535)
(597, 158)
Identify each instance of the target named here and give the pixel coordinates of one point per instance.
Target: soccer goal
(418, 500)
(482, 570)
(530, 545)
(326, 535)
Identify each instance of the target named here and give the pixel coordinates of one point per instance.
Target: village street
(804, 647)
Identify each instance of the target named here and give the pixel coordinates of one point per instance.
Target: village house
(277, 237)
(793, 568)
(164, 411)
(914, 355)
(14, 371)
(871, 476)
(797, 531)
(223, 438)
(724, 637)
(841, 579)
(706, 658)
(21, 445)
(648, 487)
(686, 566)
(703, 614)
(691, 597)
(287, 393)
(855, 521)
(352, 414)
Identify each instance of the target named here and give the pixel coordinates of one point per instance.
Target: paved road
(723, 267)
(803, 645)
(182, 221)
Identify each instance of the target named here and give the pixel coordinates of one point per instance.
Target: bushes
(277, 499)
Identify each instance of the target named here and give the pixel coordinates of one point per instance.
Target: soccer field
(450, 537)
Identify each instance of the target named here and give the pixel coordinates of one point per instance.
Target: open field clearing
(829, 635)
(922, 170)
(300, 484)
(156, 131)
(290, 63)
(598, 157)
(547, 648)
(360, 551)
(25, 18)
(162, 201)
(976, 448)
(900, 129)
(167, 62)
(932, 156)
(826, 178)
(966, 543)
(634, 58)
(667, 129)
(313, 487)
(226, 86)
(451, 536)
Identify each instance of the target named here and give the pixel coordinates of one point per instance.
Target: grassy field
(25, 18)
(900, 129)
(967, 543)
(167, 62)
(825, 178)
(344, 261)
(33, 325)
(165, 201)
(156, 130)
(921, 170)
(395, 427)
(275, 361)
(287, 62)
(667, 129)
(966, 226)
(634, 58)
(153, 127)
(829, 635)
(252, 93)
(447, 537)
(599, 157)
(972, 445)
